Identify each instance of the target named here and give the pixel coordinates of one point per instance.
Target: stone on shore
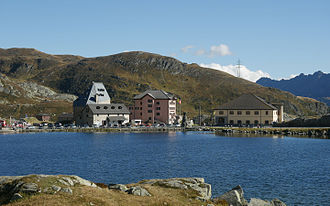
(139, 191)
(234, 197)
(119, 187)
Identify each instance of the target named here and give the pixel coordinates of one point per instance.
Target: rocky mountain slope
(315, 85)
(127, 74)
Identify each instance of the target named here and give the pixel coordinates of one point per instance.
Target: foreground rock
(235, 197)
(73, 190)
(13, 188)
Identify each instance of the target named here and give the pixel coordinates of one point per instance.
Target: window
(130, 108)
(231, 122)
(86, 115)
(137, 108)
(157, 108)
(157, 103)
(231, 112)
(140, 103)
(105, 107)
(141, 113)
(247, 112)
(149, 118)
(247, 122)
(256, 112)
(100, 90)
(239, 122)
(140, 108)
(149, 100)
(256, 122)
(239, 112)
(266, 112)
(158, 114)
(97, 114)
(113, 107)
(149, 111)
(98, 107)
(120, 107)
(221, 112)
(266, 122)
(149, 105)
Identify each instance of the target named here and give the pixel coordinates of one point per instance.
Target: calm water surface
(293, 169)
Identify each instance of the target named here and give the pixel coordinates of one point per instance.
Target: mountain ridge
(318, 85)
(130, 73)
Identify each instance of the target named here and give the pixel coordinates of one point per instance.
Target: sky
(276, 39)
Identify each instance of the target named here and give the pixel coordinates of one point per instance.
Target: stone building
(248, 109)
(154, 106)
(97, 110)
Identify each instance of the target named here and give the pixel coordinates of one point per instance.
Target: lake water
(295, 170)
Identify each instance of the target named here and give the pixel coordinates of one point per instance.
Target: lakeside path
(305, 132)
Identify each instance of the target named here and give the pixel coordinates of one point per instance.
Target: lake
(295, 170)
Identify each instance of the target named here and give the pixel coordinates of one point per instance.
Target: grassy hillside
(127, 74)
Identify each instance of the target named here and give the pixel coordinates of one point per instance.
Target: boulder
(258, 202)
(234, 197)
(139, 191)
(29, 188)
(277, 202)
(67, 190)
(56, 188)
(119, 187)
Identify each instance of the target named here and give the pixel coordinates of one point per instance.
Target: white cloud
(220, 50)
(200, 52)
(187, 48)
(290, 77)
(245, 73)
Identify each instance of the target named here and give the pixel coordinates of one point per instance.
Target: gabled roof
(245, 102)
(156, 94)
(108, 108)
(98, 94)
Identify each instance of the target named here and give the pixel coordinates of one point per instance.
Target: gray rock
(258, 202)
(139, 191)
(15, 197)
(277, 202)
(56, 188)
(68, 180)
(29, 188)
(234, 197)
(117, 187)
(67, 190)
(63, 182)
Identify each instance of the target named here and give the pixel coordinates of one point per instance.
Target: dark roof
(80, 102)
(247, 101)
(108, 108)
(156, 94)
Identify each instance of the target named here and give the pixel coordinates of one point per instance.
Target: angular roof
(245, 102)
(98, 94)
(108, 108)
(156, 94)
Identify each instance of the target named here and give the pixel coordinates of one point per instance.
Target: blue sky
(279, 38)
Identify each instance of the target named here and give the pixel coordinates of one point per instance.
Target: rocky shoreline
(322, 133)
(74, 190)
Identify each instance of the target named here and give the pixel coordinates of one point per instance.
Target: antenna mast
(239, 68)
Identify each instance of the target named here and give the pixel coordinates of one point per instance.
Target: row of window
(240, 112)
(248, 122)
(140, 108)
(150, 101)
(150, 111)
(105, 107)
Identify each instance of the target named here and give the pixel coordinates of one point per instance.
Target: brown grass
(101, 196)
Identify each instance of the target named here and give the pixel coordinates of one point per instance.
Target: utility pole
(200, 118)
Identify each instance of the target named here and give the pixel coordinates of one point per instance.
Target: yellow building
(248, 109)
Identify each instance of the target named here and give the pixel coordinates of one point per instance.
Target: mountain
(130, 73)
(316, 86)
